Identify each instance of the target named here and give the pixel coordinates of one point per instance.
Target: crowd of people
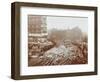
(69, 52)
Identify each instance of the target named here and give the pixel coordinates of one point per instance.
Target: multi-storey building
(37, 34)
(37, 24)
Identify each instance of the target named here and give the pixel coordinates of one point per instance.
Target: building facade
(37, 24)
(37, 35)
(37, 27)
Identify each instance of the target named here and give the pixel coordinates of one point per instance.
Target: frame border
(15, 40)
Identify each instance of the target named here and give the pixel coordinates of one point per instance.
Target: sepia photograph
(57, 40)
(53, 40)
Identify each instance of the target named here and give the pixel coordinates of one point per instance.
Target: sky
(67, 23)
